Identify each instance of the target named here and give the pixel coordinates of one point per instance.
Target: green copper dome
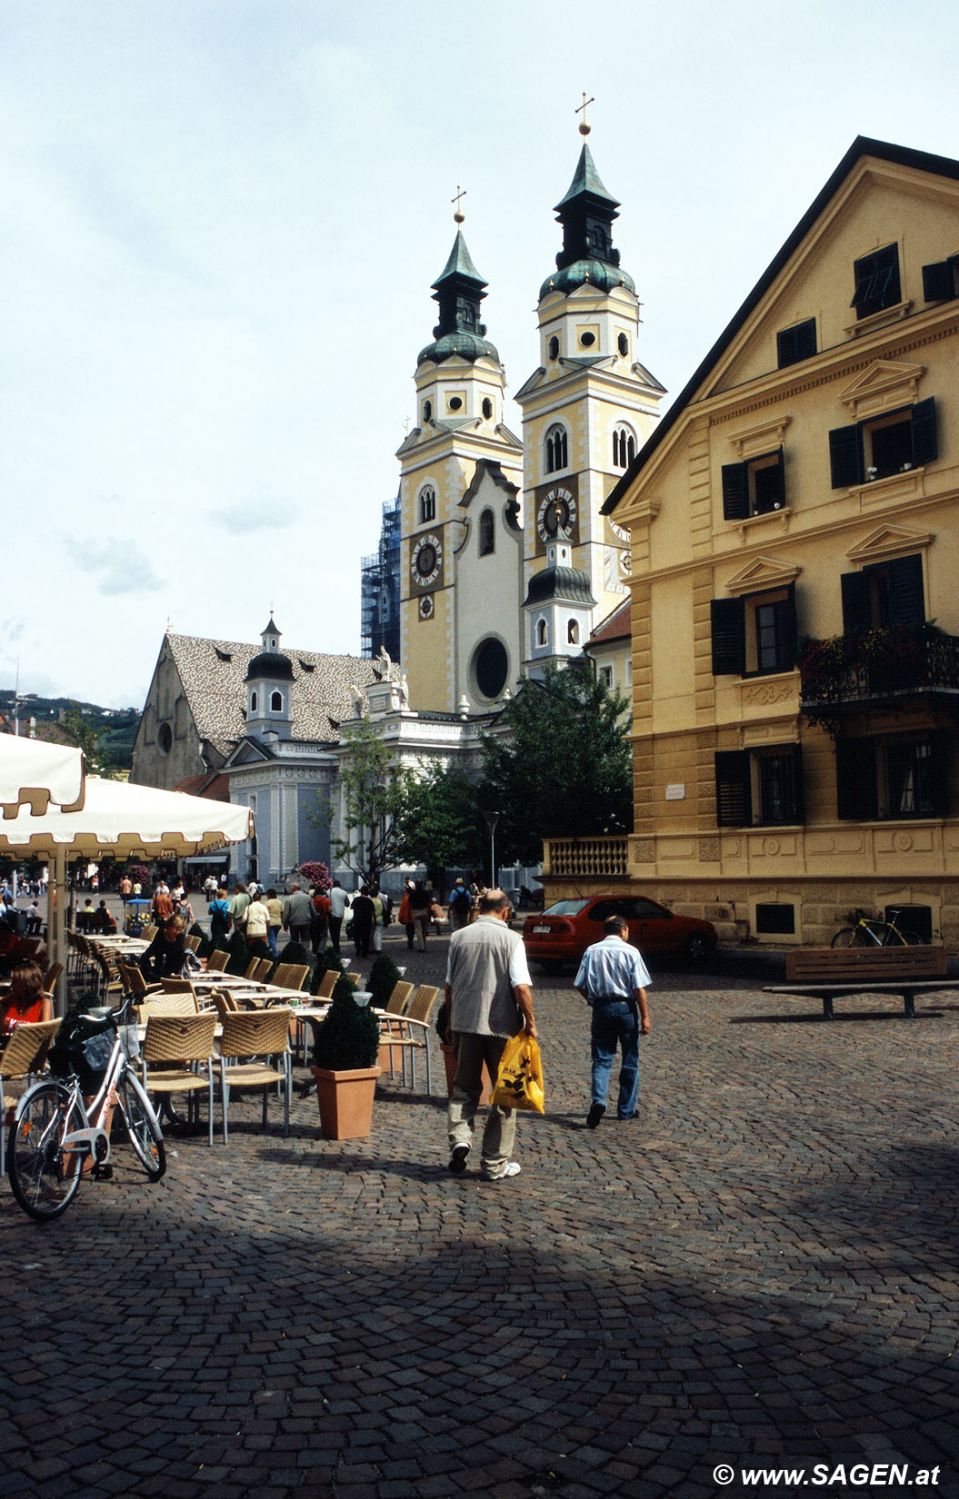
(467, 345)
(568, 584)
(582, 272)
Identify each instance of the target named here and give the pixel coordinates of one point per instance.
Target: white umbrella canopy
(36, 773)
(124, 820)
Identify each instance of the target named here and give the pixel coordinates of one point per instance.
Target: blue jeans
(616, 1021)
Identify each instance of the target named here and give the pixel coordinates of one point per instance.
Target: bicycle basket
(82, 1048)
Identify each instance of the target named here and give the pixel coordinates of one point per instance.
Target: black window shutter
(735, 491)
(789, 636)
(856, 779)
(906, 604)
(855, 602)
(924, 445)
(938, 281)
(797, 810)
(939, 743)
(798, 342)
(733, 799)
(845, 456)
(729, 637)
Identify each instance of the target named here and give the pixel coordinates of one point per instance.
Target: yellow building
(794, 607)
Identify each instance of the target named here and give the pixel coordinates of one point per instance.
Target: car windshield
(565, 908)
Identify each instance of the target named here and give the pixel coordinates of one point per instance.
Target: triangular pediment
(883, 385)
(247, 752)
(889, 541)
(762, 573)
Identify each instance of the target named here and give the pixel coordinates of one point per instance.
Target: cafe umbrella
(126, 821)
(40, 775)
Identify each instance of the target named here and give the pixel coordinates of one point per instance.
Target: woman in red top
(26, 1002)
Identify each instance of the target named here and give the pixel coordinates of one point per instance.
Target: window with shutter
(886, 594)
(940, 281)
(925, 447)
(912, 778)
(759, 787)
(771, 642)
(890, 444)
(856, 608)
(796, 343)
(876, 281)
(754, 487)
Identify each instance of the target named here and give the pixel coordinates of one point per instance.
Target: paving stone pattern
(761, 1268)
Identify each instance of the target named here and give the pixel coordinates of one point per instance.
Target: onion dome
(561, 584)
(459, 289)
(272, 665)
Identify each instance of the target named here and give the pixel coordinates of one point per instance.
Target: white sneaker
(512, 1168)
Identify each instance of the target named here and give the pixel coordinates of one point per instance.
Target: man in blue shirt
(612, 978)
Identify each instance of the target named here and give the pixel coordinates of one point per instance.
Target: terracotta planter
(449, 1061)
(346, 1102)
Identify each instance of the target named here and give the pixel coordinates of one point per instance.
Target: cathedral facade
(507, 562)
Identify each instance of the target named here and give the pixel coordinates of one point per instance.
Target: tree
(440, 823)
(96, 753)
(557, 763)
(372, 798)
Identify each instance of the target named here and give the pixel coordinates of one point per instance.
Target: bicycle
(54, 1131)
(869, 932)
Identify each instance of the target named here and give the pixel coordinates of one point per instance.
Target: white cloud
(120, 565)
(255, 515)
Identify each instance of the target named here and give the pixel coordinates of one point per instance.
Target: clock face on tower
(426, 560)
(556, 516)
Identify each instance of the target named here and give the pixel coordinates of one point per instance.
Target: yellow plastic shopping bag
(519, 1082)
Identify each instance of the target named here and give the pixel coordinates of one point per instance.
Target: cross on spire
(458, 215)
(584, 126)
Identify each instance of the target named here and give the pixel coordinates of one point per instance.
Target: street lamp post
(492, 819)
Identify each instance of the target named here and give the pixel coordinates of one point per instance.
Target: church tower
(591, 404)
(269, 688)
(460, 478)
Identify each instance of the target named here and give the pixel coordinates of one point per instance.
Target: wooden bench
(830, 973)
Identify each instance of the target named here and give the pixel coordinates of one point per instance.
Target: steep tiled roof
(212, 673)
(212, 785)
(614, 627)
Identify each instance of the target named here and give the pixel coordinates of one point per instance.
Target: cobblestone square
(760, 1270)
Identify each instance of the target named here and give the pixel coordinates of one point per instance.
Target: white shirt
(611, 967)
(518, 967)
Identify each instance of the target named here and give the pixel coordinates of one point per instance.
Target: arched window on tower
(557, 452)
(624, 446)
(427, 503)
(276, 702)
(487, 533)
(572, 633)
(542, 632)
(253, 702)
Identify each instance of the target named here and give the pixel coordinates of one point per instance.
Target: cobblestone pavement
(761, 1270)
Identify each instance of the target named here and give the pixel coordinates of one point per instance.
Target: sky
(221, 219)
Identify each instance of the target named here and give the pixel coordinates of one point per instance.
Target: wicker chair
(328, 983)
(178, 1046)
(291, 975)
(255, 1056)
(52, 975)
(193, 943)
(217, 961)
(414, 1032)
(223, 1003)
(23, 1055)
(167, 1005)
(263, 970)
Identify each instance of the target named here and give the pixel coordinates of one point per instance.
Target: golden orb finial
(458, 216)
(584, 125)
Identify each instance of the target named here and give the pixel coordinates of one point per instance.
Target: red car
(562, 932)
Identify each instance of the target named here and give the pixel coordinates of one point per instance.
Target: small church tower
(269, 687)
(460, 477)
(591, 404)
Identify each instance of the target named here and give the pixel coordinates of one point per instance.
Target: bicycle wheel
(143, 1130)
(847, 936)
(913, 939)
(44, 1176)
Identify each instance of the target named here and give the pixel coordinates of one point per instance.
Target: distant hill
(114, 728)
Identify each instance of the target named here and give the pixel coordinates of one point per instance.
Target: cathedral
(506, 563)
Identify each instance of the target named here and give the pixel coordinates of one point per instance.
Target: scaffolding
(380, 589)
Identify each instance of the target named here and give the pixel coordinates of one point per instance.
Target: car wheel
(697, 948)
